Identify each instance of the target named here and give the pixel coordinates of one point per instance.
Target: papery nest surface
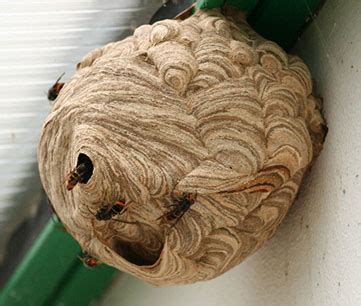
(203, 107)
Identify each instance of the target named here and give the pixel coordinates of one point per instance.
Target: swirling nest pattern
(203, 106)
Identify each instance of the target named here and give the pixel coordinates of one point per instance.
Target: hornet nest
(182, 146)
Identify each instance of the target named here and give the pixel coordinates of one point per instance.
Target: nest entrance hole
(84, 160)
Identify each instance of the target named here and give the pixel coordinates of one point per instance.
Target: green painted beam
(243, 5)
(283, 20)
(279, 20)
(209, 4)
(42, 268)
(83, 286)
(50, 272)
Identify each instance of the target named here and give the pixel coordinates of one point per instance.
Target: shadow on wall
(283, 267)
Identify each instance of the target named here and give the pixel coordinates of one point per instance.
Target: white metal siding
(39, 40)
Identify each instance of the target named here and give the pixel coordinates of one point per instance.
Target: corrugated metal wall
(39, 40)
